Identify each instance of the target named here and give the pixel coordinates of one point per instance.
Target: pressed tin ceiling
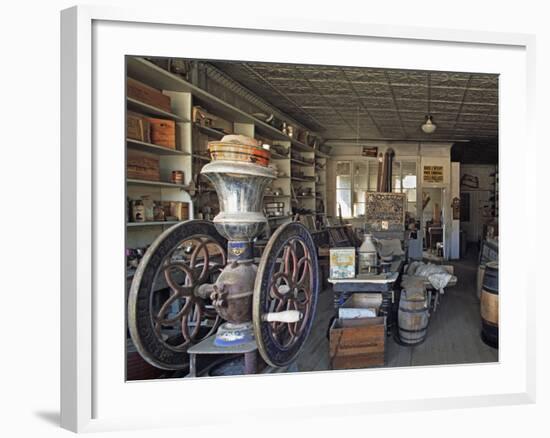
(346, 103)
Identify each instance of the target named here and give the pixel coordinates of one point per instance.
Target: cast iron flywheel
(288, 279)
(165, 316)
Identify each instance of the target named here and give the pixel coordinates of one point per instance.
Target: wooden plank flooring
(453, 333)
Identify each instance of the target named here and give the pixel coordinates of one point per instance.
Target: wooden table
(383, 284)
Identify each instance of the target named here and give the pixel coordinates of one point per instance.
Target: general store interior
(342, 140)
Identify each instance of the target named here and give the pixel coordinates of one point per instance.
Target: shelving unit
(140, 234)
(189, 155)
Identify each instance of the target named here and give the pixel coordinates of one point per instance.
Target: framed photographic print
(178, 132)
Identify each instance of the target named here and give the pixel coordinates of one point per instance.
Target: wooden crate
(149, 95)
(357, 343)
(137, 127)
(141, 165)
(179, 210)
(163, 132)
(361, 305)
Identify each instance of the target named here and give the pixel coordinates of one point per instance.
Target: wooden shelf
(136, 105)
(276, 196)
(305, 197)
(276, 156)
(301, 163)
(209, 131)
(140, 182)
(201, 157)
(274, 218)
(295, 178)
(306, 148)
(152, 224)
(153, 148)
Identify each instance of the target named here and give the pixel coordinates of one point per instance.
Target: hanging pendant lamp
(429, 126)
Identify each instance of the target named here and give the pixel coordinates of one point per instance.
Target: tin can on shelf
(177, 176)
(138, 211)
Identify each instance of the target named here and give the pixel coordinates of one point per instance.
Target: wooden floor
(453, 333)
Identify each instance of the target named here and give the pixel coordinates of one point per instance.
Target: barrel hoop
(425, 309)
(414, 331)
(492, 324)
(489, 289)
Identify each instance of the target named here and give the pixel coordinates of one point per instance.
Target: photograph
(290, 218)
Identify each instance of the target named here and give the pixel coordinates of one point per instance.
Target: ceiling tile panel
(482, 95)
(484, 81)
(449, 80)
(408, 92)
(447, 94)
(408, 77)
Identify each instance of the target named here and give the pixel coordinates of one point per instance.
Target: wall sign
(370, 151)
(433, 174)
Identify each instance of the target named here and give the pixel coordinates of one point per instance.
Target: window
(353, 181)
(404, 181)
(343, 188)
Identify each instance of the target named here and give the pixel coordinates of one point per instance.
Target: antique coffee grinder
(200, 290)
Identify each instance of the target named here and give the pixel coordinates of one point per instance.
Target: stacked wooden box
(159, 131)
(143, 166)
(148, 95)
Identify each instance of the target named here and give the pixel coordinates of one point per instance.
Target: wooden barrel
(479, 280)
(489, 305)
(413, 316)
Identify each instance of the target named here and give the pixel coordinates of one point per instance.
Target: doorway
(433, 217)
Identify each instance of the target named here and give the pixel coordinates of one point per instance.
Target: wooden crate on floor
(357, 343)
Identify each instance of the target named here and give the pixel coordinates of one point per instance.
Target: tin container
(342, 262)
(177, 176)
(238, 152)
(138, 211)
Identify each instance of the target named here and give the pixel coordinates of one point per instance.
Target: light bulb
(429, 127)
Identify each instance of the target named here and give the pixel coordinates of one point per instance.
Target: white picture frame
(93, 398)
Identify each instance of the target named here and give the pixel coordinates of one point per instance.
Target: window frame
(352, 190)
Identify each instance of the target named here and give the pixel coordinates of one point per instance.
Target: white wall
(479, 197)
(455, 193)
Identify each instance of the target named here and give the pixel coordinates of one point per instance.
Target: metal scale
(217, 300)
